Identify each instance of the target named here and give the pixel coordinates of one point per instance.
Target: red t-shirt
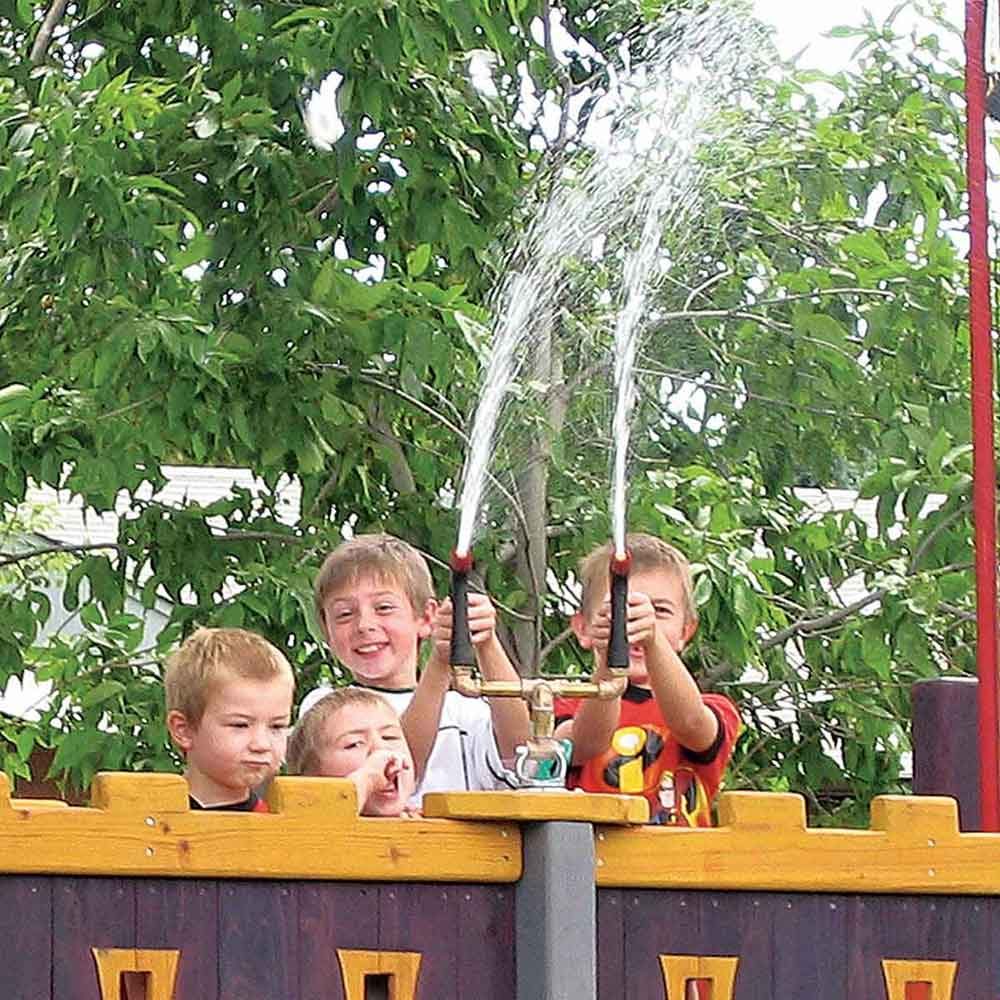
(645, 759)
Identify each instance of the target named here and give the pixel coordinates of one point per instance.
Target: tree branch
(49, 550)
(813, 625)
(44, 37)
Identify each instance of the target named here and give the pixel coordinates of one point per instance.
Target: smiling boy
(663, 738)
(375, 603)
(229, 700)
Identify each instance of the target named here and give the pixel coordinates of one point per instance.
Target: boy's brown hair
(306, 741)
(207, 655)
(649, 553)
(377, 556)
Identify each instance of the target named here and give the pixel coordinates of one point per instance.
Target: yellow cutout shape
(899, 972)
(402, 968)
(678, 969)
(160, 964)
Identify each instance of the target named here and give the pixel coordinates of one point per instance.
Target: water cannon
(618, 655)
(543, 761)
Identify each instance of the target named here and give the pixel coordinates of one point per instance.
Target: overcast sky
(802, 24)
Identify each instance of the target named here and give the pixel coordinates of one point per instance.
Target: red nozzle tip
(621, 564)
(460, 562)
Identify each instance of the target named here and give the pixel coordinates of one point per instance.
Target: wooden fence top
(141, 824)
(762, 843)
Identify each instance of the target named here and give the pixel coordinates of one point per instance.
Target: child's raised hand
(641, 627)
(482, 618)
(385, 767)
(482, 623)
(441, 632)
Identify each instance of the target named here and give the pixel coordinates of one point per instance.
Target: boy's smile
(372, 628)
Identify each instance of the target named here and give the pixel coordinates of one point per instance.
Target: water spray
(647, 179)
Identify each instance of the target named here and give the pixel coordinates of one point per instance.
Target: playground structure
(535, 896)
(538, 896)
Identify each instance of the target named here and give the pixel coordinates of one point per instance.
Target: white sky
(802, 23)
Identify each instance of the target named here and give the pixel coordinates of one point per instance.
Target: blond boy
(375, 603)
(663, 738)
(355, 733)
(229, 698)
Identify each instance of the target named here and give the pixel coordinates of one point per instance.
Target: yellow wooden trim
(678, 969)
(528, 806)
(402, 968)
(899, 972)
(762, 842)
(160, 964)
(142, 825)
(38, 804)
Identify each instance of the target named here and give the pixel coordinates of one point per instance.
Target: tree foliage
(185, 278)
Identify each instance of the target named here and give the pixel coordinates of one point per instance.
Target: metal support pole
(557, 913)
(983, 457)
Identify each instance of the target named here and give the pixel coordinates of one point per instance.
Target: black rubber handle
(618, 643)
(462, 652)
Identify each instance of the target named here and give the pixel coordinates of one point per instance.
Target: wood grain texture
(26, 933)
(141, 825)
(538, 806)
(258, 941)
(88, 913)
(182, 914)
(762, 843)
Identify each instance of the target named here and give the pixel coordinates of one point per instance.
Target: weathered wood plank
(809, 945)
(26, 933)
(87, 913)
(486, 942)
(333, 917)
(424, 919)
(182, 914)
(610, 944)
(258, 941)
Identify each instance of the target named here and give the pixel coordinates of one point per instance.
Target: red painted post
(983, 459)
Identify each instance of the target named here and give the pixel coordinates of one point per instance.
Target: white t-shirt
(464, 756)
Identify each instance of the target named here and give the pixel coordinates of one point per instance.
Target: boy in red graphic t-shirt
(663, 738)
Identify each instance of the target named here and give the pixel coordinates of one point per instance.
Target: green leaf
(102, 692)
(417, 260)
(865, 245)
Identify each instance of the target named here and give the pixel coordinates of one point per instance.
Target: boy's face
(375, 632)
(350, 736)
(239, 742)
(666, 593)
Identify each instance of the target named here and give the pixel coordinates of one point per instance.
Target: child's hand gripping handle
(462, 652)
(618, 643)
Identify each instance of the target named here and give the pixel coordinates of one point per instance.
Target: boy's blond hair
(379, 557)
(306, 741)
(649, 554)
(207, 656)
